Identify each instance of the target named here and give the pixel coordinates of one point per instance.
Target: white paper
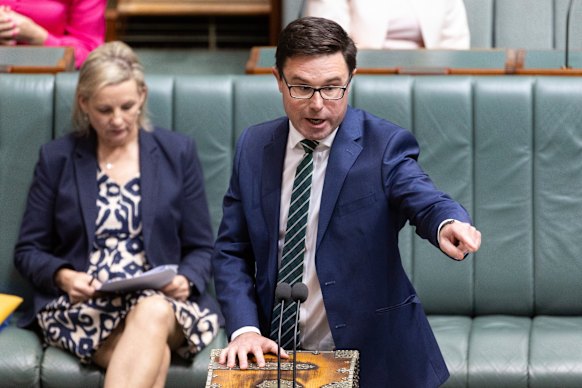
(155, 278)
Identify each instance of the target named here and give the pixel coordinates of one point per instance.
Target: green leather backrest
(256, 98)
(203, 109)
(26, 120)
(512, 28)
(480, 16)
(531, 24)
(557, 201)
(508, 148)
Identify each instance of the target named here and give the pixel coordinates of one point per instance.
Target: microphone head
(283, 292)
(299, 292)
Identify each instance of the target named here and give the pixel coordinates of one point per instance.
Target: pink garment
(76, 23)
(403, 27)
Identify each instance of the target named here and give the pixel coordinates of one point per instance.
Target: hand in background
(15, 27)
(7, 27)
(78, 285)
(178, 288)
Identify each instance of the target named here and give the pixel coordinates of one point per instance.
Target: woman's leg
(164, 367)
(138, 355)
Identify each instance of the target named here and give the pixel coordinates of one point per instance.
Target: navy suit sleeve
(410, 189)
(33, 252)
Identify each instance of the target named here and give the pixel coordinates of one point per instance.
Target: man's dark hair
(311, 36)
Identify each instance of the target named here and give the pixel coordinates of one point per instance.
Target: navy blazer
(373, 185)
(58, 226)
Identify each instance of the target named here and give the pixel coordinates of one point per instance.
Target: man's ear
(351, 77)
(278, 78)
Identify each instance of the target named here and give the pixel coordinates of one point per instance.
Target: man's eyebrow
(298, 80)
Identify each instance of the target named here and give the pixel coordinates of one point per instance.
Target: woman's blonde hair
(109, 64)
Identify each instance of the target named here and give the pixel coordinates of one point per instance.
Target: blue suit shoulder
(371, 128)
(61, 150)
(265, 129)
(169, 139)
(63, 144)
(373, 122)
(162, 136)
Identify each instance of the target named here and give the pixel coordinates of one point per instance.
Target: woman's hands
(78, 285)
(178, 288)
(15, 28)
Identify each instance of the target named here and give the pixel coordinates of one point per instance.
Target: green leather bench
(508, 148)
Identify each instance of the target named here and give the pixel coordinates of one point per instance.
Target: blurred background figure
(398, 24)
(76, 23)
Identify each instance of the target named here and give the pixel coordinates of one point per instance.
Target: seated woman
(398, 24)
(76, 23)
(109, 201)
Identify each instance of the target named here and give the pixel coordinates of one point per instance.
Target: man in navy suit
(366, 183)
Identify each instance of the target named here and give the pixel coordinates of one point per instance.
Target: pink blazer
(76, 23)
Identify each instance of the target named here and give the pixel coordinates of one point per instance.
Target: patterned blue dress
(118, 252)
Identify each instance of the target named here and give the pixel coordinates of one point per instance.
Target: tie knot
(309, 145)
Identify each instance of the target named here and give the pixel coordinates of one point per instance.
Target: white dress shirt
(315, 332)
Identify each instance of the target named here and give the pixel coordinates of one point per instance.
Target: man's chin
(316, 132)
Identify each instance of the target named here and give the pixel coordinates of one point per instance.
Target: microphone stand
(282, 294)
(279, 345)
(295, 345)
(298, 294)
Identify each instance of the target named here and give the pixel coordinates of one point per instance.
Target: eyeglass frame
(313, 90)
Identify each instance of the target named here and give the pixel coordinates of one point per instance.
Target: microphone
(299, 294)
(282, 295)
(567, 43)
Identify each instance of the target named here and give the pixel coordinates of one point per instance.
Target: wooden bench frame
(118, 13)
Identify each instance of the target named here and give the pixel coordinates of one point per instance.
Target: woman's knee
(154, 310)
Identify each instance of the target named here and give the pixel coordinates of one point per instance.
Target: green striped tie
(291, 268)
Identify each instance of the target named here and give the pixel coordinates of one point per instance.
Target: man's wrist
(243, 330)
(441, 225)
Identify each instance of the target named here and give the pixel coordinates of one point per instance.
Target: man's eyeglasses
(305, 92)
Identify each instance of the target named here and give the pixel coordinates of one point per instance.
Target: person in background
(112, 200)
(358, 182)
(398, 24)
(76, 23)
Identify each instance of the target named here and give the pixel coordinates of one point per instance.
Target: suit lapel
(85, 175)
(273, 158)
(344, 152)
(149, 179)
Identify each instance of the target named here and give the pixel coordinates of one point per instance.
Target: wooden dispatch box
(315, 369)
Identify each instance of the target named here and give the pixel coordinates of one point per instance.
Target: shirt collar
(295, 137)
